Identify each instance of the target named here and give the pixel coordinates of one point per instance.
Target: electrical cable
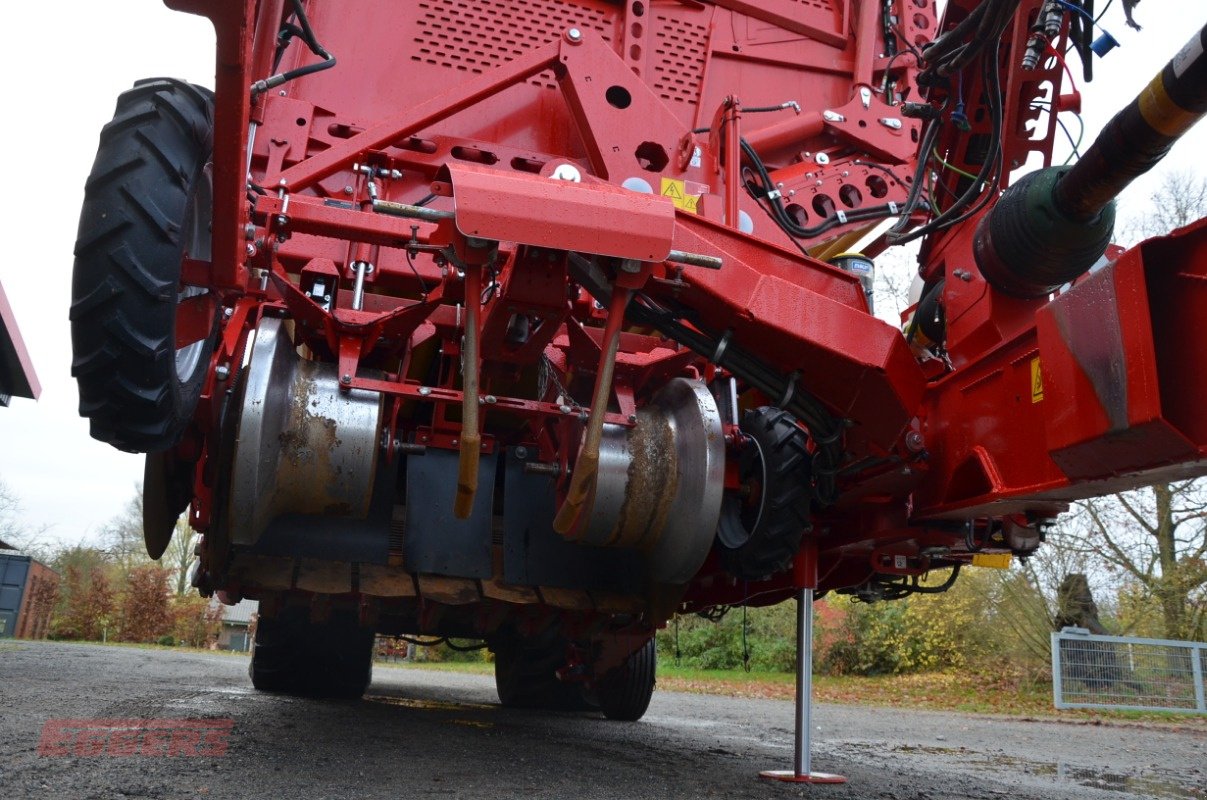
(1074, 144)
(916, 586)
(951, 167)
(990, 169)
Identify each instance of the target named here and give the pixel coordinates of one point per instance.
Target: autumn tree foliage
(196, 622)
(145, 610)
(85, 604)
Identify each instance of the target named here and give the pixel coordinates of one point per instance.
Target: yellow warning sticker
(677, 192)
(1037, 381)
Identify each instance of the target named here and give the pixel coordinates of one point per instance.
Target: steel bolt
(425, 391)
(565, 409)
(632, 417)
(822, 158)
(891, 123)
(348, 190)
(228, 312)
(223, 372)
(347, 379)
(521, 453)
(249, 232)
(574, 35)
(915, 441)
(454, 442)
(251, 249)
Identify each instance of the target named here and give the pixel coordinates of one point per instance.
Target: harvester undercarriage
(533, 322)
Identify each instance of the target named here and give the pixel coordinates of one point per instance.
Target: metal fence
(1124, 672)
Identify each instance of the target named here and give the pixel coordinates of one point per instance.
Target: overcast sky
(66, 64)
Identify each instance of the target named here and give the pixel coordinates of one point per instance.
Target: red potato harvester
(534, 321)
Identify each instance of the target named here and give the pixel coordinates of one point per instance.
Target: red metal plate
(584, 217)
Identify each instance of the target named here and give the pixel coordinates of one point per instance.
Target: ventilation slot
(680, 49)
(475, 37)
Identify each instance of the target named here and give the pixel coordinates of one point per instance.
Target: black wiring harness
(898, 587)
(947, 56)
(767, 195)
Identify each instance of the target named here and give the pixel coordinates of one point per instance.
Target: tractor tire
(758, 539)
(147, 204)
(295, 656)
(624, 693)
(526, 674)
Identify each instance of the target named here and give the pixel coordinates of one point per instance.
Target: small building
(27, 594)
(236, 625)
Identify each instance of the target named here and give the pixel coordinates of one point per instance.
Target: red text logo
(135, 737)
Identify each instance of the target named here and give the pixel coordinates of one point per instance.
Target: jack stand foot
(790, 776)
(802, 771)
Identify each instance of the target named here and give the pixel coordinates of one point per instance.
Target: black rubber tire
(624, 693)
(758, 541)
(146, 200)
(526, 673)
(295, 656)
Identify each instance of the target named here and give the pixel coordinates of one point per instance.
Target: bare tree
(179, 555)
(14, 530)
(1178, 201)
(122, 536)
(1155, 538)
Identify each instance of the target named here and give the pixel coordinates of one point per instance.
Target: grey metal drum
(660, 483)
(302, 446)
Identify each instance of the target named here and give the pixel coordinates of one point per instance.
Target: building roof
(17, 376)
(6, 546)
(240, 613)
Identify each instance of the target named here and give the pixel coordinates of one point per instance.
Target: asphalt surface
(440, 734)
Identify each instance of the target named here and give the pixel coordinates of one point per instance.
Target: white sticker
(1188, 55)
(900, 562)
(695, 162)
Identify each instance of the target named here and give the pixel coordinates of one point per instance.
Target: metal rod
(694, 259)
(358, 288)
(1196, 670)
(471, 439)
(802, 760)
(586, 468)
(410, 212)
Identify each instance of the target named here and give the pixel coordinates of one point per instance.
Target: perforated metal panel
(679, 65)
(473, 37)
(824, 5)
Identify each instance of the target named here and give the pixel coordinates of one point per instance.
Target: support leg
(801, 771)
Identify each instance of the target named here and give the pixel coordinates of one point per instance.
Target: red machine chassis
(1031, 404)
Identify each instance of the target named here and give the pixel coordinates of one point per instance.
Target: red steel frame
(1018, 421)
